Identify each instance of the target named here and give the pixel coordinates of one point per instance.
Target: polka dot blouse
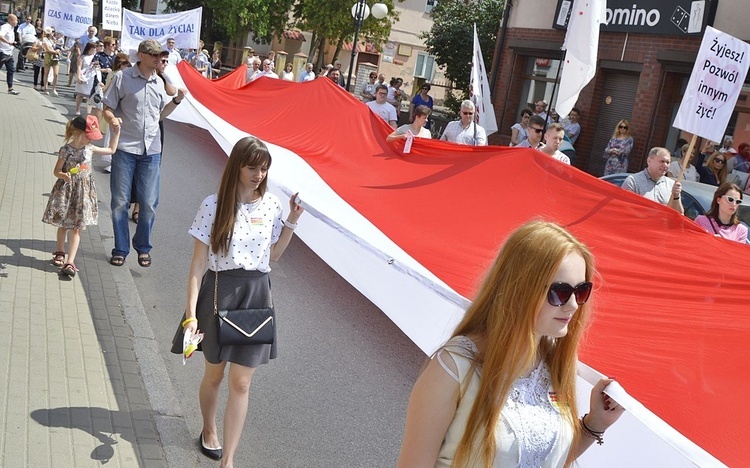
(256, 228)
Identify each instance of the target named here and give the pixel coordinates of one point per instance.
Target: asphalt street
(337, 394)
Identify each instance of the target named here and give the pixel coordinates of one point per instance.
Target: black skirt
(238, 289)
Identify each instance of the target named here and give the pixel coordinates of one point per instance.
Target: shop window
(539, 79)
(429, 5)
(425, 66)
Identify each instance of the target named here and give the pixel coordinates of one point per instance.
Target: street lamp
(360, 12)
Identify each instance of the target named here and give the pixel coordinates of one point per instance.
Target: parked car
(696, 197)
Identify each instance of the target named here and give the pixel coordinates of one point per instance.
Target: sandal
(144, 260)
(69, 269)
(134, 217)
(58, 258)
(117, 260)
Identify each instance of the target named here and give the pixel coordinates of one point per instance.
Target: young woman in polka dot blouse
(236, 232)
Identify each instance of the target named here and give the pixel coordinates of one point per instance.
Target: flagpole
(554, 90)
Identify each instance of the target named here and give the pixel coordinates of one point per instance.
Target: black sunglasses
(720, 161)
(537, 130)
(624, 127)
(467, 113)
(559, 293)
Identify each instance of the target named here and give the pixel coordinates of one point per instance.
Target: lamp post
(360, 12)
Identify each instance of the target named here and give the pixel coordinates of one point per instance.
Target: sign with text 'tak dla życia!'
(715, 84)
(184, 27)
(70, 17)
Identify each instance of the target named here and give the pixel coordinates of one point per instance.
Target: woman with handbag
(51, 60)
(237, 232)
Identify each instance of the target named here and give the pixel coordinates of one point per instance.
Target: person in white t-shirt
(465, 131)
(416, 128)
(691, 173)
(7, 43)
(236, 234)
(553, 137)
(386, 111)
(308, 74)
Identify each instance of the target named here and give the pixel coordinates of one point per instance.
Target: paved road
(336, 396)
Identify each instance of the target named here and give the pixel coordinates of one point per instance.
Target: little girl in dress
(72, 202)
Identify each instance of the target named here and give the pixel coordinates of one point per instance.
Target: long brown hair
(248, 151)
(503, 316)
(720, 192)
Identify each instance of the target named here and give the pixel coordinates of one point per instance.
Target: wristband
(676, 198)
(188, 320)
(176, 102)
(289, 224)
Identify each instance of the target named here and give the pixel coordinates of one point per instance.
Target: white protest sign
(184, 27)
(112, 15)
(71, 17)
(715, 84)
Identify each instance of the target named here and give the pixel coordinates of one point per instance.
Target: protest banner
(714, 86)
(112, 15)
(71, 17)
(184, 27)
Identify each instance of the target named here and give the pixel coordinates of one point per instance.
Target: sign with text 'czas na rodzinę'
(714, 86)
(673, 17)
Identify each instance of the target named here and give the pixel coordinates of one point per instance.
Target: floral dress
(617, 164)
(73, 205)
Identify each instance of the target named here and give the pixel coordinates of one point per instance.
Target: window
(425, 66)
(430, 5)
(538, 81)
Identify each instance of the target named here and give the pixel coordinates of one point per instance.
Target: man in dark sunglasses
(653, 183)
(535, 130)
(465, 131)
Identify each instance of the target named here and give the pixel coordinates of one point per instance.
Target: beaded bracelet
(592, 433)
(188, 320)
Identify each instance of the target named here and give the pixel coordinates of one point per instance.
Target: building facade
(646, 54)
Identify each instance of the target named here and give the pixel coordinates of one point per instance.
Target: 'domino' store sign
(648, 16)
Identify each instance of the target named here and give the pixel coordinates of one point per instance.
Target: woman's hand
(295, 208)
(192, 325)
(604, 410)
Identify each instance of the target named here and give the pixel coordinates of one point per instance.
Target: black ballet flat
(209, 452)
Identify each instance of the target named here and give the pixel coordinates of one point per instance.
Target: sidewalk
(73, 392)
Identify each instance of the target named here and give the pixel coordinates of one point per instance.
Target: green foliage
(332, 20)
(451, 39)
(234, 18)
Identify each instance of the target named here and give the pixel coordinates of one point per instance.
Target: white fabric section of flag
(581, 44)
(184, 27)
(112, 15)
(480, 90)
(420, 304)
(71, 17)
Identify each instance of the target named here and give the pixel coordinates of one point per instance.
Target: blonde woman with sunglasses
(502, 390)
(618, 149)
(721, 220)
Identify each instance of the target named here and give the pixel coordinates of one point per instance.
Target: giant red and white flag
(480, 90)
(412, 233)
(581, 45)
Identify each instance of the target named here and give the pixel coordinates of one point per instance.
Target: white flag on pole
(581, 44)
(480, 90)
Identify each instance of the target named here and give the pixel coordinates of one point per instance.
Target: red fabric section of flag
(672, 317)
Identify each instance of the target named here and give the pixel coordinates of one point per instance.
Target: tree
(451, 38)
(331, 20)
(234, 18)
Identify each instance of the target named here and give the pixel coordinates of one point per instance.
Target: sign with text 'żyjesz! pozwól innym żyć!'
(715, 84)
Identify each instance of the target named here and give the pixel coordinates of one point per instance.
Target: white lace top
(531, 433)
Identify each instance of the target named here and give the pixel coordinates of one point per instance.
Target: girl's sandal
(58, 258)
(69, 269)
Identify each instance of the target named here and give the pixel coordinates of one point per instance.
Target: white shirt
(257, 227)
(386, 111)
(26, 29)
(306, 76)
(6, 32)
(691, 173)
(287, 76)
(269, 74)
(456, 133)
(174, 57)
(404, 129)
(252, 75)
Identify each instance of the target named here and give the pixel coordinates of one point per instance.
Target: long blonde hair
(723, 171)
(503, 315)
(626, 133)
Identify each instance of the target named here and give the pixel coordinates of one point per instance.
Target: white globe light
(365, 13)
(379, 10)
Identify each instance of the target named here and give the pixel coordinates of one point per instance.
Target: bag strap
(216, 284)
(711, 222)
